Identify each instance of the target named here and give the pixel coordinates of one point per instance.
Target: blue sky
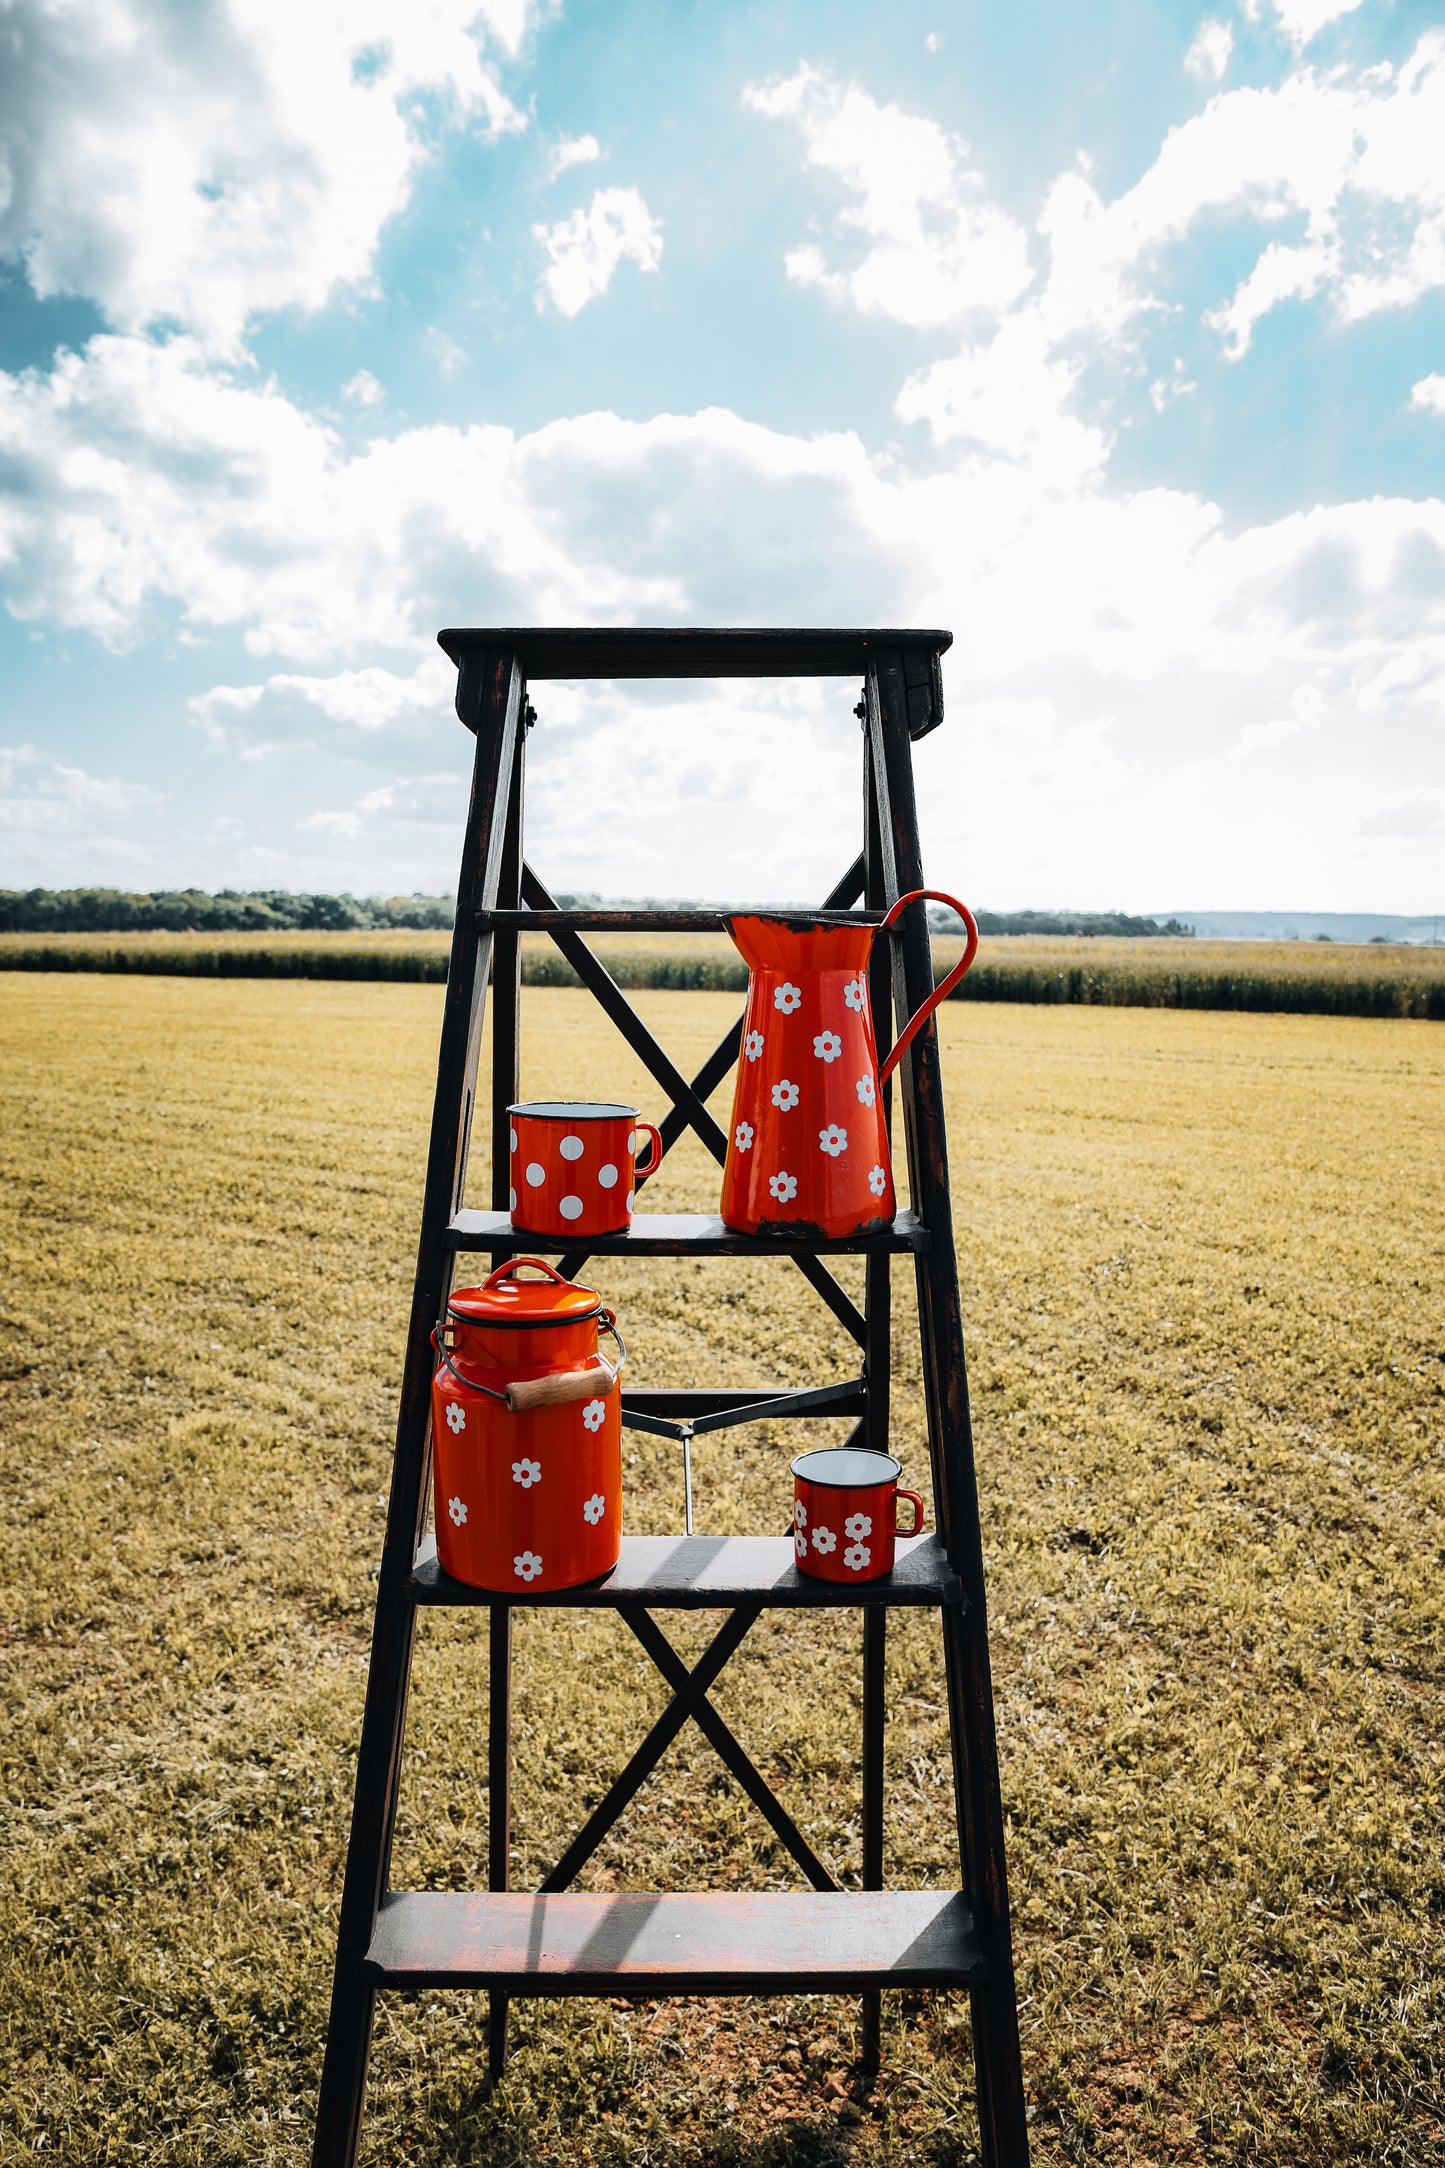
(1112, 338)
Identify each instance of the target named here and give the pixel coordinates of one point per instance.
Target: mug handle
(945, 987)
(918, 1513)
(640, 1174)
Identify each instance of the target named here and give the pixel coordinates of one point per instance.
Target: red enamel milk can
(808, 1149)
(527, 1434)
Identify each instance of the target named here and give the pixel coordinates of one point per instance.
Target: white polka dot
(514, 1140)
(607, 1176)
(536, 1174)
(512, 1199)
(632, 1143)
(571, 1208)
(629, 1204)
(571, 1147)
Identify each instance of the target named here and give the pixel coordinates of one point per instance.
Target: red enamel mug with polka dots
(526, 1433)
(845, 1513)
(574, 1166)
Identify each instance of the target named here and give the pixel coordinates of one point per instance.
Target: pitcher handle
(945, 987)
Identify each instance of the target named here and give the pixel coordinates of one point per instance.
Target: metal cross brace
(689, 1099)
(689, 1700)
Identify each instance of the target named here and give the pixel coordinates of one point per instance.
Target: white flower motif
(526, 1472)
(787, 998)
(855, 994)
(456, 1417)
(833, 1140)
(458, 1512)
(784, 1187)
(866, 1090)
(800, 1513)
(743, 1136)
(855, 1558)
(857, 1526)
(824, 1541)
(827, 1046)
(800, 1543)
(593, 1413)
(594, 1509)
(753, 1045)
(527, 1566)
(785, 1095)
(877, 1181)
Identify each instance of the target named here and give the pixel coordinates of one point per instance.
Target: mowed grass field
(1202, 1261)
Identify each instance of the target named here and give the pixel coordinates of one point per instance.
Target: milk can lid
(503, 1299)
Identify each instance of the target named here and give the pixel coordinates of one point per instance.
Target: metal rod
(687, 1475)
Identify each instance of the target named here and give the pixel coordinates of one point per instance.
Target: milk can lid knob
(503, 1299)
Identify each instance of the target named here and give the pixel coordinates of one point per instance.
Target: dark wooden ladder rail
(960, 1940)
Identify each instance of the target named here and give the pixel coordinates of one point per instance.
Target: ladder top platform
(646, 651)
(682, 651)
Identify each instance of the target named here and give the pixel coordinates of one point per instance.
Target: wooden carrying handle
(561, 1386)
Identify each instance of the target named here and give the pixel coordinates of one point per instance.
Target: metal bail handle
(554, 1390)
(558, 1387)
(945, 987)
(514, 1265)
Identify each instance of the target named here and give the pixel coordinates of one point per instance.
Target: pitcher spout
(798, 942)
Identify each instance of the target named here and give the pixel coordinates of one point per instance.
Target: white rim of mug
(799, 1467)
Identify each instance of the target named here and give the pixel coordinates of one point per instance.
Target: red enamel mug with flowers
(574, 1166)
(845, 1513)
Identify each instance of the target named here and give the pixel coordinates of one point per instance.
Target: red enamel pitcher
(808, 1148)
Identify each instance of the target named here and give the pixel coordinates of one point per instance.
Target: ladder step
(712, 1573)
(706, 1944)
(671, 1234)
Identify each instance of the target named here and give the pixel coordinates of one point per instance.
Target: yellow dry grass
(1202, 1264)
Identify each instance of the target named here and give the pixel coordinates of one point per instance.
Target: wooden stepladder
(823, 1939)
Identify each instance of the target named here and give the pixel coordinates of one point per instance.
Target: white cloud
(369, 700)
(1429, 394)
(1421, 814)
(198, 166)
(1306, 711)
(935, 248)
(584, 250)
(1303, 20)
(1352, 157)
(582, 150)
(1208, 56)
(1112, 649)
(60, 823)
(449, 356)
(363, 388)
